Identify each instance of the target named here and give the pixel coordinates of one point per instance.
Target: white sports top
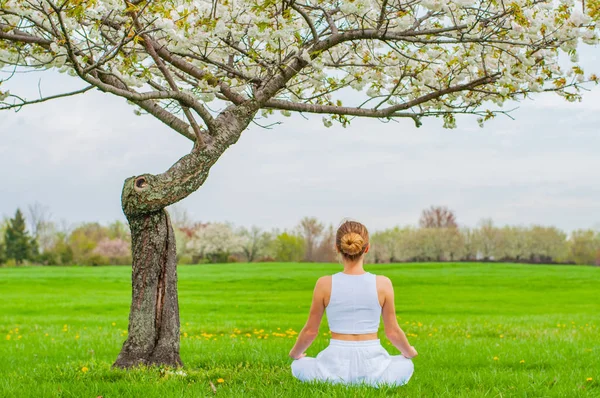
(354, 305)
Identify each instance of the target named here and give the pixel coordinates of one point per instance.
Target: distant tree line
(36, 239)
(39, 240)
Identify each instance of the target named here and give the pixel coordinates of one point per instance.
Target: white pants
(354, 362)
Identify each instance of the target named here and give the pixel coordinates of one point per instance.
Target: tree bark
(153, 333)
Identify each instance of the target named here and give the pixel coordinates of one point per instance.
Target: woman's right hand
(411, 353)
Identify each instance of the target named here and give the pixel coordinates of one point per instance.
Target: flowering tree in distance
(404, 59)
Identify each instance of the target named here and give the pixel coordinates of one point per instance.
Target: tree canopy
(412, 58)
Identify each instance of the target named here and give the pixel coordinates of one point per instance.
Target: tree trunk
(154, 315)
(153, 333)
(153, 337)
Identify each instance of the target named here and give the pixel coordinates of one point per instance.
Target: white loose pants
(354, 362)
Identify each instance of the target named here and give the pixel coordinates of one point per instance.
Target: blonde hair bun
(352, 243)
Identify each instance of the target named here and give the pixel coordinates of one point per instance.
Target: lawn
(481, 330)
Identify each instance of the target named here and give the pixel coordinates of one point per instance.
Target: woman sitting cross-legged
(354, 301)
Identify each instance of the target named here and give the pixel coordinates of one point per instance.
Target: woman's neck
(354, 268)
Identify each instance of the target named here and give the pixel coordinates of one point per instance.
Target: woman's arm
(311, 329)
(392, 330)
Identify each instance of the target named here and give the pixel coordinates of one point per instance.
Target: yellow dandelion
(430, 335)
(589, 379)
(8, 337)
(496, 358)
(219, 380)
(114, 323)
(19, 338)
(84, 369)
(501, 336)
(522, 361)
(76, 336)
(46, 335)
(185, 334)
(468, 336)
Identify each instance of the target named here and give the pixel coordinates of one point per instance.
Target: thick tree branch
(391, 111)
(197, 73)
(19, 36)
(206, 116)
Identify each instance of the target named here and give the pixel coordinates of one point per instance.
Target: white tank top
(354, 304)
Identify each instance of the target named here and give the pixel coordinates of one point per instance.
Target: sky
(72, 156)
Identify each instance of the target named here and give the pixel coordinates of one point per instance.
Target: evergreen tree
(2, 253)
(19, 245)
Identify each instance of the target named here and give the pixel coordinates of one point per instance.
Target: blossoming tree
(173, 59)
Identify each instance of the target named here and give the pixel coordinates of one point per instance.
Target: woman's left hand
(297, 357)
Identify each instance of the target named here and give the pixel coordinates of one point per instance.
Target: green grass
(238, 323)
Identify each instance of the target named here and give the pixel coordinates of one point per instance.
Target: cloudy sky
(73, 154)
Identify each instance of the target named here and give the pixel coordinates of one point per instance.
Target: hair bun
(352, 243)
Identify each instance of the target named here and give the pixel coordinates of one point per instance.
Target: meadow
(482, 330)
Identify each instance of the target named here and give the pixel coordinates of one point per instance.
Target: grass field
(480, 329)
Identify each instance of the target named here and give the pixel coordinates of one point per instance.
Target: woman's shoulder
(324, 281)
(383, 281)
(323, 285)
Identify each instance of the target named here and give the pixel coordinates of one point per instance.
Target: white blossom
(241, 42)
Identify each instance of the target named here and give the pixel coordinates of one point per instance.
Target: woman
(354, 301)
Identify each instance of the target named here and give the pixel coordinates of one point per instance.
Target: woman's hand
(411, 353)
(295, 357)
